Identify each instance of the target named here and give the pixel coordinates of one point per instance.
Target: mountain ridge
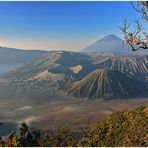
(62, 69)
(107, 84)
(14, 55)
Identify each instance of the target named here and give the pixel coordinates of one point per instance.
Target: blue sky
(60, 25)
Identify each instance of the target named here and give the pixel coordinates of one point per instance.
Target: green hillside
(122, 129)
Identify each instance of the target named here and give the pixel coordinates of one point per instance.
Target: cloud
(68, 109)
(24, 108)
(30, 119)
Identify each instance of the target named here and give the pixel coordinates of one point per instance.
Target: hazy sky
(60, 25)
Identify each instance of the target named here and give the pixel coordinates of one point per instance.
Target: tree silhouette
(26, 138)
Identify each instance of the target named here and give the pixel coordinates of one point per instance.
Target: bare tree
(138, 37)
(142, 7)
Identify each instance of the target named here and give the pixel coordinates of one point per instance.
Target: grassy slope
(124, 128)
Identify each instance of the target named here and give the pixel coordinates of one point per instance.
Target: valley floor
(51, 109)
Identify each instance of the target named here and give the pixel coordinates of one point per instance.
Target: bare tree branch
(141, 7)
(138, 38)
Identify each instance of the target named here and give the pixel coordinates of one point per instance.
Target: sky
(60, 25)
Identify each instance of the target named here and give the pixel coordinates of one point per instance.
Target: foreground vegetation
(124, 128)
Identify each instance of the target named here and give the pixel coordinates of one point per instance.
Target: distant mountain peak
(111, 37)
(109, 43)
